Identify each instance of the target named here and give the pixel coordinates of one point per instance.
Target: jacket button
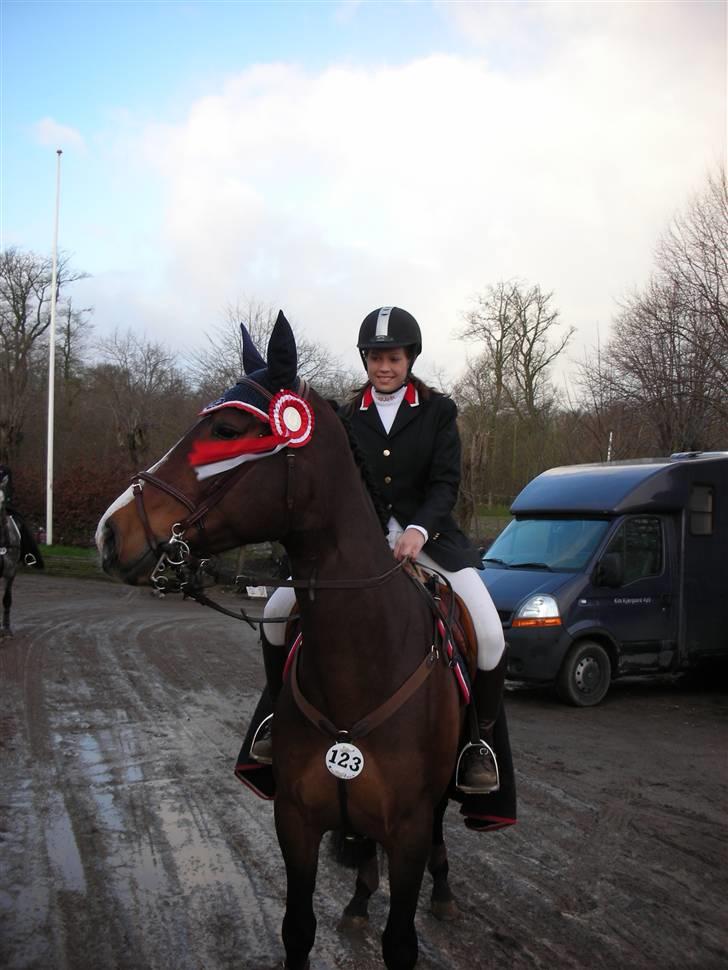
(386, 452)
(387, 479)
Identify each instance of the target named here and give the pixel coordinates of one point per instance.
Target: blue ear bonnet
(245, 395)
(277, 373)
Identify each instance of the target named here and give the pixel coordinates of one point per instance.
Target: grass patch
(72, 561)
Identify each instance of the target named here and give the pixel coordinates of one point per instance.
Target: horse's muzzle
(106, 544)
(132, 572)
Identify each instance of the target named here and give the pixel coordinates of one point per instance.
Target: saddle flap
(462, 630)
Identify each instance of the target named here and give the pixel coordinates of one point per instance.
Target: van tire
(585, 675)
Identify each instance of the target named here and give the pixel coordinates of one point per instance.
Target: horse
(366, 728)
(9, 557)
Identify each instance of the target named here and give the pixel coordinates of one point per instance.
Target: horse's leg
(356, 913)
(299, 843)
(7, 603)
(407, 853)
(442, 903)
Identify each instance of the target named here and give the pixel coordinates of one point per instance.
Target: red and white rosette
(291, 418)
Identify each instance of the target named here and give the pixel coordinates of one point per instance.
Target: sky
(333, 157)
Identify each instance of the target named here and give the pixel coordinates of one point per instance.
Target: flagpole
(52, 361)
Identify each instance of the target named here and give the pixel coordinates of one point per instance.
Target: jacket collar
(410, 396)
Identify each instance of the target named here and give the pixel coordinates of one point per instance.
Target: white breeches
(280, 603)
(466, 583)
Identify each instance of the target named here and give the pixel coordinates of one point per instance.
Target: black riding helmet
(389, 326)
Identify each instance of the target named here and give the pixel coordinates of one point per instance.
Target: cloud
(52, 134)
(334, 192)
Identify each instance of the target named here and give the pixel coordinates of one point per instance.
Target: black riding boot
(28, 546)
(274, 660)
(477, 769)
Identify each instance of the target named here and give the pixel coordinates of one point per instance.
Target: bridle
(189, 571)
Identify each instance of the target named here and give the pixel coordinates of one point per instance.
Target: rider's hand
(410, 544)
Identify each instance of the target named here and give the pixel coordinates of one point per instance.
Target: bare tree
(74, 334)
(25, 298)
(664, 367)
(474, 394)
(603, 420)
(506, 394)
(657, 374)
(693, 257)
(535, 348)
(219, 363)
(142, 386)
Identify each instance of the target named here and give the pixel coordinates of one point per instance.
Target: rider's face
(387, 369)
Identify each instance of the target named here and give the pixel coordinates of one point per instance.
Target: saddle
(454, 625)
(454, 632)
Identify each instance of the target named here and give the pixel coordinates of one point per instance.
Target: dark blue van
(612, 569)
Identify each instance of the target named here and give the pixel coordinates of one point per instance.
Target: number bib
(344, 760)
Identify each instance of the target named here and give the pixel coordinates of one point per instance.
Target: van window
(639, 542)
(561, 544)
(701, 510)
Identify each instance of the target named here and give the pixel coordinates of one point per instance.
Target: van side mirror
(609, 571)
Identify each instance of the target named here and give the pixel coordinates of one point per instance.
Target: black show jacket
(416, 468)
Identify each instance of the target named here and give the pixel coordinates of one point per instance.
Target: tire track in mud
(128, 817)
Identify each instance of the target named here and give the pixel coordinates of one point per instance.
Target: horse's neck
(346, 540)
(340, 537)
(368, 632)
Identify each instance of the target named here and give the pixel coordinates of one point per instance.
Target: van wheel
(585, 675)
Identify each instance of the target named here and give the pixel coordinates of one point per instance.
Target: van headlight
(538, 610)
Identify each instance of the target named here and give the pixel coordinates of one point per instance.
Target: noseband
(188, 572)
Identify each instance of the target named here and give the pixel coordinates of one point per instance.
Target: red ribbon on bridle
(291, 420)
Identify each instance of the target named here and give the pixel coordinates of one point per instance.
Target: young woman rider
(409, 436)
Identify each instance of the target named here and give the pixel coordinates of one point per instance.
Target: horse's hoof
(353, 924)
(446, 910)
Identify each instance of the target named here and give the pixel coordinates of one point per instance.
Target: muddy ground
(127, 842)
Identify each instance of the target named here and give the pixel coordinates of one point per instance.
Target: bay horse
(9, 557)
(366, 728)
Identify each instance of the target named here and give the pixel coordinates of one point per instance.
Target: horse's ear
(282, 357)
(252, 360)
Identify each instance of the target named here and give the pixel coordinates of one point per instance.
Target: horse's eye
(226, 432)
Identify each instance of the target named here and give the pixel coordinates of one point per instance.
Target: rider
(409, 436)
(28, 546)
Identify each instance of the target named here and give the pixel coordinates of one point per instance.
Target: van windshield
(562, 545)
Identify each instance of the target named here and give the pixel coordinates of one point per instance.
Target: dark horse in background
(9, 555)
(270, 460)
